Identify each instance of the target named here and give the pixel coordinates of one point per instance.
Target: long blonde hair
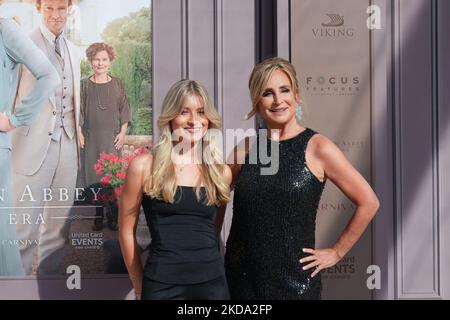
(260, 77)
(162, 182)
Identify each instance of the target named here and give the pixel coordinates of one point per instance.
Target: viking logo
(335, 20)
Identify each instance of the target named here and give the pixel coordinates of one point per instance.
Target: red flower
(121, 175)
(113, 158)
(118, 192)
(140, 151)
(102, 197)
(113, 169)
(106, 180)
(98, 168)
(103, 156)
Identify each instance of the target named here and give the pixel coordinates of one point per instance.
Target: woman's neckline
(189, 186)
(100, 83)
(290, 139)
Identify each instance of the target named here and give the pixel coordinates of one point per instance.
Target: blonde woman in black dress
(271, 251)
(180, 187)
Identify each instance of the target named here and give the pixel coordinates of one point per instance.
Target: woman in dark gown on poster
(105, 115)
(270, 251)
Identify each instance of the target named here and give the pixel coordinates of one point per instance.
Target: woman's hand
(320, 259)
(5, 124)
(81, 140)
(118, 142)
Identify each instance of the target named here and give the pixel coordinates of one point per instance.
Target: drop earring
(299, 111)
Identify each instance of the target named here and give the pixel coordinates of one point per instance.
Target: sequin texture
(274, 218)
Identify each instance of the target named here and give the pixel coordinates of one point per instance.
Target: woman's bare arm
(340, 171)
(130, 206)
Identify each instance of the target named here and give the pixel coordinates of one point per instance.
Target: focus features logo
(332, 85)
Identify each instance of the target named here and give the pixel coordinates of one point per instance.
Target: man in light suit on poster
(16, 49)
(45, 154)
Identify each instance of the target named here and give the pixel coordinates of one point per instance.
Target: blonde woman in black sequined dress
(271, 251)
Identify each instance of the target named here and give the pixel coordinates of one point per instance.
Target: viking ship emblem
(335, 20)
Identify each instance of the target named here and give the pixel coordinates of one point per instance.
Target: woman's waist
(96, 130)
(183, 249)
(284, 248)
(179, 271)
(275, 231)
(184, 255)
(182, 228)
(267, 259)
(187, 258)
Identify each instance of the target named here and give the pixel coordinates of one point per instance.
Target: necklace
(180, 168)
(100, 106)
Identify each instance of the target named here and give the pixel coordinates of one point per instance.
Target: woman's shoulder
(86, 80)
(141, 163)
(116, 80)
(84, 84)
(322, 146)
(118, 83)
(228, 174)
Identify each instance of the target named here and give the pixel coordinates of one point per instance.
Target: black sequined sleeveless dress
(274, 218)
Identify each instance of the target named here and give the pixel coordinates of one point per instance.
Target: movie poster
(331, 51)
(60, 206)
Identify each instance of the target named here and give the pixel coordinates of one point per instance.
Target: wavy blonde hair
(162, 182)
(260, 77)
